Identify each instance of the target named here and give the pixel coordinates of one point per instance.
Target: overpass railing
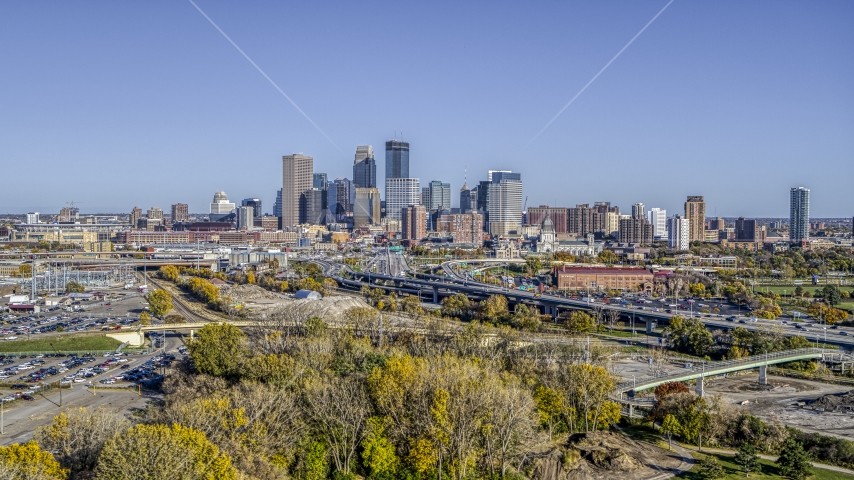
(710, 368)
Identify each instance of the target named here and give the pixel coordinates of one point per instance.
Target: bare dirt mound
(241, 293)
(604, 455)
(840, 402)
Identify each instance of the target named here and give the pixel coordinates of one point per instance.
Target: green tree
(144, 319)
(218, 349)
(710, 469)
(495, 308)
(74, 287)
(311, 461)
(831, 295)
(670, 426)
(159, 302)
(378, 453)
(746, 458)
(160, 452)
(689, 336)
(534, 264)
(29, 462)
(580, 322)
(794, 461)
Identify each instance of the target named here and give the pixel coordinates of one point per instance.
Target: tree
(29, 462)
(670, 426)
(495, 308)
(746, 458)
(25, 270)
(378, 453)
(169, 272)
(159, 302)
(831, 295)
(607, 257)
(341, 423)
(218, 349)
(534, 264)
(670, 388)
(794, 461)
(160, 452)
(77, 437)
(689, 336)
(710, 469)
(74, 287)
(580, 322)
(250, 277)
(144, 319)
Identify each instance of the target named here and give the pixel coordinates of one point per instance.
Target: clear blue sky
(116, 104)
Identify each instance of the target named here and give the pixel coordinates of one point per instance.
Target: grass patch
(790, 289)
(769, 469)
(61, 343)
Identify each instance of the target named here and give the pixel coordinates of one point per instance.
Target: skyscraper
(32, 218)
(401, 193)
(396, 159)
(313, 206)
(465, 199)
(658, 218)
(635, 230)
(365, 168)
(436, 195)
(695, 213)
(180, 213)
(366, 210)
(255, 203)
(245, 217)
(678, 231)
(320, 181)
(799, 214)
(277, 206)
(746, 230)
(220, 207)
(505, 202)
(297, 179)
(340, 198)
(638, 211)
(135, 215)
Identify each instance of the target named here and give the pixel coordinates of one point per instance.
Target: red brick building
(582, 278)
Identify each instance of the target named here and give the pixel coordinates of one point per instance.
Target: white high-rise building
(678, 233)
(399, 194)
(505, 202)
(32, 218)
(658, 218)
(220, 206)
(799, 214)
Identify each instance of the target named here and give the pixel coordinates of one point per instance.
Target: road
(448, 285)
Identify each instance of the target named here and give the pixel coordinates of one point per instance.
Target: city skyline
(188, 104)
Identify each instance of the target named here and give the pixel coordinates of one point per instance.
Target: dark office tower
(365, 168)
(320, 181)
(255, 204)
(745, 230)
(396, 159)
(465, 199)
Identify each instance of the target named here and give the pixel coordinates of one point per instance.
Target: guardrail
(714, 368)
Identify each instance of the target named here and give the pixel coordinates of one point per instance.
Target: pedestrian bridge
(626, 390)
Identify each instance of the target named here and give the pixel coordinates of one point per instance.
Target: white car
(11, 338)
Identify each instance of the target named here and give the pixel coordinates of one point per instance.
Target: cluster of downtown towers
(307, 197)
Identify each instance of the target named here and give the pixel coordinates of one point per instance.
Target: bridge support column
(554, 313)
(631, 410)
(648, 327)
(435, 294)
(699, 391)
(763, 375)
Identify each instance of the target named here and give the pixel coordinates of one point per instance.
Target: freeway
(443, 286)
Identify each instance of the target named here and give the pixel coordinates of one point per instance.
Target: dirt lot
(781, 400)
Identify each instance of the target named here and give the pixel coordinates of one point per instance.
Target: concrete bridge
(699, 372)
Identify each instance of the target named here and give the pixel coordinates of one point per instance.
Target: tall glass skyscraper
(320, 181)
(396, 159)
(799, 214)
(365, 168)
